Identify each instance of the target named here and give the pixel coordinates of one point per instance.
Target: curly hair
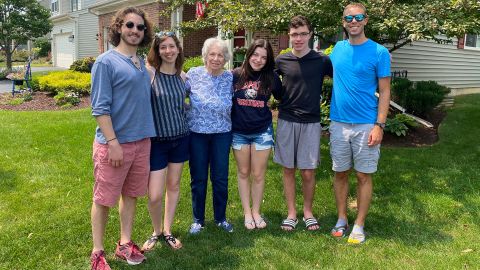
(118, 20)
(154, 58)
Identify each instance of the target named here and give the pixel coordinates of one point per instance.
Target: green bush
(20, 56)
(407, 120)
(43, 45)
(426, 96)
(83, 65)
(65, 81)
(3, 73)
(418, 98)
(396, 127)
(325, 115)
(327, 90)
(285, 51)
(190, 62)
(66, 99)
(328, 50)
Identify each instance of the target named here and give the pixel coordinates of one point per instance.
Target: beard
(132, 39)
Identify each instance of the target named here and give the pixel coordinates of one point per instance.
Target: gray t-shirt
(121, 90)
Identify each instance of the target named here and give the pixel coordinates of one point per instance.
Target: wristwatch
(381, 125)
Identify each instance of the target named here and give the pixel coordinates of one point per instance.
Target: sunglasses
(165, 34)
(358, 18)
(140, 27)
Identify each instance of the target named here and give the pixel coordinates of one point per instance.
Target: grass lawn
(22, 64)
(425, 212)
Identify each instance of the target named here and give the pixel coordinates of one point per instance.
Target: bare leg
(99, 217)
(289, 191)
(259, 166)
(174, 174)
(340, 185)
(308, 188)
(242, 157)
(156, 188)
(127, 213)
(364, 196)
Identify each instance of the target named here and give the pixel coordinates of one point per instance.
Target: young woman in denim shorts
(253, 83)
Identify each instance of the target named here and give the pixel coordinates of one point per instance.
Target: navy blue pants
(209, 150)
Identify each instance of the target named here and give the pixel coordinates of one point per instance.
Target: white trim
(108, 6)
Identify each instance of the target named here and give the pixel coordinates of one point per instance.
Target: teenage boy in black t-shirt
(298, 129)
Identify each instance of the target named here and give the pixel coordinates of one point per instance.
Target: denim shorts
(164, 152)
(262, 141)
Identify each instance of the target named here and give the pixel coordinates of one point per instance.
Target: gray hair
(215, 41)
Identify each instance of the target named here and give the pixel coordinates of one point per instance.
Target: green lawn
(425, 212)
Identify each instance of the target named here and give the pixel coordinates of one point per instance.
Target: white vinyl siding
(87, 30)
(443, 63)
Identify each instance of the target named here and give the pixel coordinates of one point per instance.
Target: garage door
(64, 51)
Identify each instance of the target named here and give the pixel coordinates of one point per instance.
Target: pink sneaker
(98, 261)
(129, 252)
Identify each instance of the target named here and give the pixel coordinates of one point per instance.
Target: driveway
(6, 85)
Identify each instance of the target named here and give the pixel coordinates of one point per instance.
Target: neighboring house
(74, 33)
(456, 64)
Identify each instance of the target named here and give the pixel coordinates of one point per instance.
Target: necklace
(135, 61)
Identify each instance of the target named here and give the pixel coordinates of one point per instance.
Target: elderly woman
(210, 90)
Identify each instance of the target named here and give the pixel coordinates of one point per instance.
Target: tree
(20, 21)
(394, 22)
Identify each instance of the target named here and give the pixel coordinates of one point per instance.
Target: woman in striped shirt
(170, 146)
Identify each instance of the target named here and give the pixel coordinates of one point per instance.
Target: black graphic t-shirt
(250, 111)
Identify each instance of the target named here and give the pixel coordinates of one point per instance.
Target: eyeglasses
(358, 18)
(296, 35)
(140, 27)
(165, 34)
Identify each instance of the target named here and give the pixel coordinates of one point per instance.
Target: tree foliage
(395, 22)
(20, 21)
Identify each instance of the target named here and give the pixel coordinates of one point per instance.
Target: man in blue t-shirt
(360, 66)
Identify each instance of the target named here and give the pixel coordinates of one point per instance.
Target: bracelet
(111, 139)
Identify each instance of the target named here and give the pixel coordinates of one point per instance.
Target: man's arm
(115, 152)
(376, 135)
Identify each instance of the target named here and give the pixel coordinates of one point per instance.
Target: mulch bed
(42, 101)
(418, 136)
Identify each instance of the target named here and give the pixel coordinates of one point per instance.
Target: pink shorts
(131, 179)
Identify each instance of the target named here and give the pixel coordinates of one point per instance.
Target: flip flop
(261, 223)
(250, 224)
(171, 241)
(339, 231)
(289, 223)
(310, 223)
(151, 243)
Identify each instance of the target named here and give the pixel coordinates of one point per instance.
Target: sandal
(289, 223)
(261, 223)
(172, 242)
(310, 223)
(339, 231)
(250, 224)
(151, 243)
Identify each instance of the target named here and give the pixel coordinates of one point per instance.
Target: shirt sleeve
(101, 89)
(277, 87)
(383, 68)
(328, 67)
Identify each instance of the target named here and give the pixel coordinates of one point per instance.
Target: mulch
(416, 137)
(42, 101)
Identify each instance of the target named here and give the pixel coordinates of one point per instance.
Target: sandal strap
(309, 222)
(290, 222)
(170, 238)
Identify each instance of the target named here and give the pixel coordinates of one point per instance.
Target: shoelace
(98, 261)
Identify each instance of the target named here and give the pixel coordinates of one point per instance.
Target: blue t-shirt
(121, 90)
(356, 70)
(210, 101)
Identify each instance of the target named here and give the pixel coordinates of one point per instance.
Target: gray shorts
(297, 144)
(349, 142)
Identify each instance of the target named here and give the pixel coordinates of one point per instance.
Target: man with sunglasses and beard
(121, 150)
(360, 66)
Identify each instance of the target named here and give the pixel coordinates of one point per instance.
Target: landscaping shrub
(396, 127)
(325, 115)
(83, 65)
(327, 90)
(43, 45)
(65, 81)
(20, 56)
(285, 51)
(407, 120)
(190, 62)
(3, 73)
(418, 98)
(67, 99)
(425, 97)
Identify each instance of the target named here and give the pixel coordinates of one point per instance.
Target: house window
(76, 5)
(472, 41)
(54, 6)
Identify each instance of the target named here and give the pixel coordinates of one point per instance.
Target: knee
(289, 171)
(364, 178)
(258, 177)
(155, 199)
(173, 187)
(342, 176)
(243, 173)
(308, 175)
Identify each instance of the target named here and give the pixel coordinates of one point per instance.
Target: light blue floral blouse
(210, 101)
